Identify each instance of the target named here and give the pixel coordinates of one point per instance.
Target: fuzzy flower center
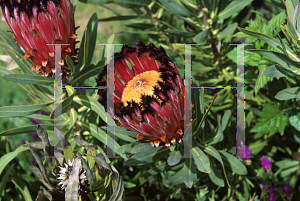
(141, 84)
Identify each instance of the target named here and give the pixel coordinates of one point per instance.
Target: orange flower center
(141, 84)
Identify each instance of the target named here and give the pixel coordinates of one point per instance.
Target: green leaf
(216, 177)
(3, 71)
(147, 156)
(282, 59)
(201, 160)
(5, 159)
(294, 120)
(271, 41)
(120, 17)
(64, 105)
(227, 31)
(25, 129)
(125, 149)
(226, 119)
(121, 133)
(70, 63)
(141, 147)
(287, 94)
(175, 179)
(88, 43)
(100, 135)
(180, 33)
(201, 37)
(22, 110)
(278, 71)
(176, 8)
(233, 163)
(156, 170)
(216, 136)
(233, 8)
(214, 153)
(28, 79)
(23, 64)
(87, 72)
(272, 120)
(174, 158)
(262, 80)
(257, 146)
(22, 187)
(93, 104)
(129, 184)
(189, 172)
(4, 179)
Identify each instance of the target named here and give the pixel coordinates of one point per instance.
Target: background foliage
(271, 105)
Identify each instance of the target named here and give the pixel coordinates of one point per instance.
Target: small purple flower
(271, 192)
(244, 152)
(286, 190)
(35, 136)
(265, 163)
(36, 121)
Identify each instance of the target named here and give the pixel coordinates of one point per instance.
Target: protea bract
(38, 23)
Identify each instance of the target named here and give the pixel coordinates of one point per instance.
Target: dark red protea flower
(36, 23)
(149, 94)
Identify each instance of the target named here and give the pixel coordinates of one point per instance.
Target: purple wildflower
(286, 190)
(35, 136)
(271, 192)
(244, 152)
(265, 163)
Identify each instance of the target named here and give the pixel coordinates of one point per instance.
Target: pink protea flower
(149, 94)
(36, 23)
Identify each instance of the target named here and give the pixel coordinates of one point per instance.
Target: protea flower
(149, 94)
(36, 23)
(65, 173)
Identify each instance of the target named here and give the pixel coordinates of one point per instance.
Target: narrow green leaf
(287, 94)
(4, 179)
(282, 59)
(22, 110)
(226, 119)
(278, 71)
(227, 31)
(175, 179)
(5, 159)
(214, 153)
(233, 8)
(28, 79)
(201, 37)
(125, 149)
(180, 33)
(23, 64)
(64, 105)
(93, 104)
(216, 136)
(156, 170)
(22, 187)
(176, 8)
(189, 172)
(3, 71)
(70, 63)
(141, 147)
(216, 177)
(147, 156)
(87, 72)
(271, 41)
(129, 184)
(120, 17)
(25, 129)
(233, 163)
(174, 158)
(201, 160)
(88, 43)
